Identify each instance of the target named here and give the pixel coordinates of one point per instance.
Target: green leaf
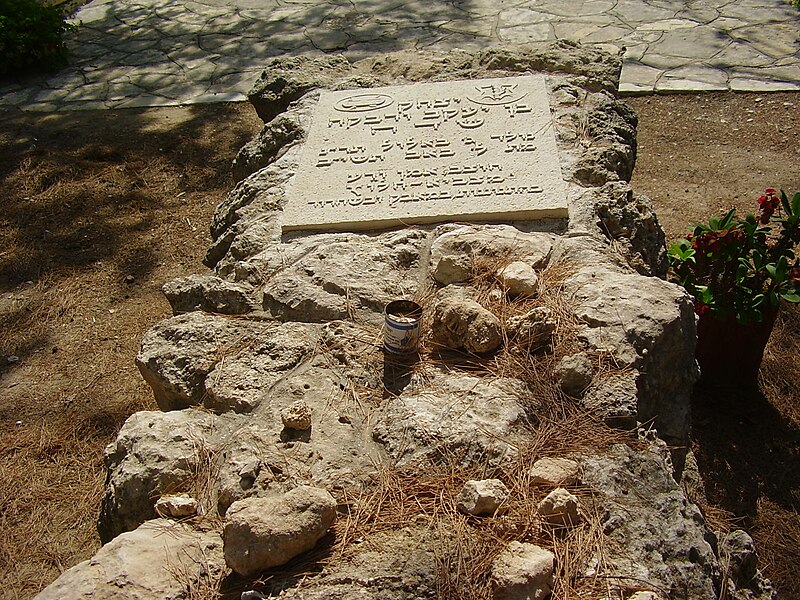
(772, 270)
(774, 299)
(785, 203)
(727, 219)
(791, 297)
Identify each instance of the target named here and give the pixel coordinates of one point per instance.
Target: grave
(479, 150)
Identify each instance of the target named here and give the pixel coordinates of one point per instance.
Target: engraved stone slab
(479, 150)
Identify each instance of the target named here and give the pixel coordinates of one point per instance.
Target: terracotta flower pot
(730, 353)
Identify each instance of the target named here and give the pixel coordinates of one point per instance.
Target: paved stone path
(129, 53)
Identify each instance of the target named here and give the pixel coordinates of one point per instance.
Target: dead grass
(777, 537)
(779, 378)
(89, 198)
(423, 496)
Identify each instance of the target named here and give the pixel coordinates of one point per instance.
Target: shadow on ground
(747, 446)
(746, 451)
(88, 192)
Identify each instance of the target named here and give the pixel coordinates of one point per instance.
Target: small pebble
(129, 279)
(297, 416)
(12, 359)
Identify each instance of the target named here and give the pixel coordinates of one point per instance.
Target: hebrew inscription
(456, 151)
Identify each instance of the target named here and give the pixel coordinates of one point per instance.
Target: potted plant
(738, 271)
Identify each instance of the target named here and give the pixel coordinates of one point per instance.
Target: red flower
(768, 204)
(701, 309)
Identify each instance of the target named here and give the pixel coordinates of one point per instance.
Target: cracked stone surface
(138, 53)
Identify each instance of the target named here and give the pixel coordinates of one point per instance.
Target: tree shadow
(77, 188)
(94, 192)
(162, 52)
(745, 450)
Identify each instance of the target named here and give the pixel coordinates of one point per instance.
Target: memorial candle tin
(403, 323)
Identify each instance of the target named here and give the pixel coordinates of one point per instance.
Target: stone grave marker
(477, 150)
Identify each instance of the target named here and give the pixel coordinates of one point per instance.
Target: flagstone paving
(133, 53)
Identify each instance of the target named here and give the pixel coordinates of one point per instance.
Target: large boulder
(648, 325)
(630, 220)
(661, 536)
(336, 276)
(261, 533)
(286, 79)
(178, 354)
(455, 253)
(160, 560)
(243, 380)
(459, 415)
(273, 140)
(154, 453)
(209, 294)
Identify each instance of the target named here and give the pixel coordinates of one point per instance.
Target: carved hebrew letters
(461, 150)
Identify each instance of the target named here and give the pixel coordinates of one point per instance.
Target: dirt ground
(101, 208)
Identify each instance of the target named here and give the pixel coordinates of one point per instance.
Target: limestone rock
(523, 572)
(574, 373)
(177, 506)
(297, 416)
(286, 79)
(259, 196)
(614, 399)
(261, 533)
(243, 380)
(560, 507)
(662, 537)
(630, 220)
(739, 561)
(534, 328)
(644, 596)
(178, 353)
(738, 552)
(209, 294)
(482, 497)
(454, 252)
(649, 325)
(154, 453)
(554, 471)
(268, 145)
(478, 418)
(519, 278)
(459, 322)
(394, 565)
(144, 564)
(335, 276)
(612, 127)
